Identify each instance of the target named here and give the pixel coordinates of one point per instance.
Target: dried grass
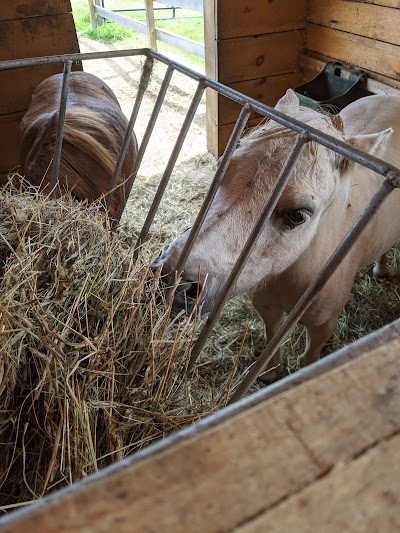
(92, 363)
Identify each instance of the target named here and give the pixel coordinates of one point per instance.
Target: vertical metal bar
(171, 162)
(145, 140)
(219, 175)
(282, 181)
(144, 82)
(314, 288)
(60, 127)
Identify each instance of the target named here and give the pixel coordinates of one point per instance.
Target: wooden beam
(249, 58)
(11, 9)
(151, 27)
(362, 494)
(243, 19)
(93, 16)
(268, 452)
(382, 58)
(369, 20)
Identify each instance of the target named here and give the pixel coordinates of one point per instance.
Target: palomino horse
(325, 196)
(93, 135)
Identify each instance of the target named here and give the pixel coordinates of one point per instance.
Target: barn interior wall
(263, 48)
(364, 34)
(253, 47)
(28, 29)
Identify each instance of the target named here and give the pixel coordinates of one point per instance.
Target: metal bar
(75, 58)
(171, 162)
(314, 288)
(269, 206)
(368, 161)
(219, 175)
(60, 128)
(145, 140)
(143, 84)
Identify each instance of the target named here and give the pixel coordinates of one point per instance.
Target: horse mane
(319, 119)
(87, 130)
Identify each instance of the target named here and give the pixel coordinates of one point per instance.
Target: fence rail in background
(154, 34)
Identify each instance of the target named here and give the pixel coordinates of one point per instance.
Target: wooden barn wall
(253, 47)
(28, 29)
(364, 34)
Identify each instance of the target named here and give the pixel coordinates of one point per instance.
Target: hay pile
(91, 363)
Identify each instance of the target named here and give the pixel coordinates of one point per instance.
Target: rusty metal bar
(143, 84)
(315, 287)
(218, 177)
(146, 138)
(269, 206)
(60, 128)
(369, 161)
(171, 162)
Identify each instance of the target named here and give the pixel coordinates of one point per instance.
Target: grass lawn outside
(186, 23)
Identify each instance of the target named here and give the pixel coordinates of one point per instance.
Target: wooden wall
(363, 34)
(28, 29)
(321, 456)
(251, 46)
(263, 48)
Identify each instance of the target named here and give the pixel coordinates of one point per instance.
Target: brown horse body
(93, 135)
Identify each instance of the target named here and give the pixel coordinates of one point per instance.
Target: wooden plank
(257, 57)
(267, 452)
(8, 141)
(266, 90)
(376, 22)
(361, 495)
(38, 36)
(151, 27)
(17, 86)
(13, 9)
(387, 3)
(382, 58)
(240, 19)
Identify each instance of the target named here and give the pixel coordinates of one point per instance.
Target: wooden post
(151, 28)
(93, 16)
(99, 20)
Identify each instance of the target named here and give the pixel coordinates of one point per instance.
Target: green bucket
(335, 86)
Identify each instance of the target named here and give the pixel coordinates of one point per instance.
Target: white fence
(154, 34)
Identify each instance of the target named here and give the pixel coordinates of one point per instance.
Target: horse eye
(294, 217)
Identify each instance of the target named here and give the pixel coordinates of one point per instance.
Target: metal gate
(304, 133)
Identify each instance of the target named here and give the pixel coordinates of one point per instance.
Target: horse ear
(372, 143)
(289, 100)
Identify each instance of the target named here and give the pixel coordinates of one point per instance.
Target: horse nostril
(191, 289)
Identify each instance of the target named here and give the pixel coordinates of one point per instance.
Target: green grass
(185, 24)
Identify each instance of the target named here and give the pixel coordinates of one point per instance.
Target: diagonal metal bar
(282, 181)
(219, 175)
(60, 128)
(146, 138)
(171, 162)
(143, 84)
(315, 287)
